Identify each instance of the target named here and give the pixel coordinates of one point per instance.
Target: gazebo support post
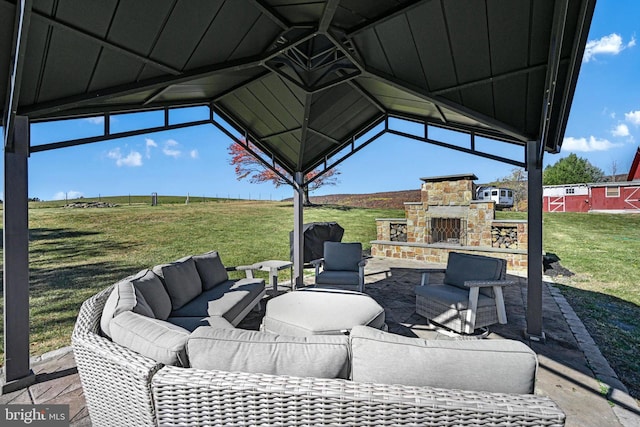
(17, 373)
(534, 256)
(298, 236)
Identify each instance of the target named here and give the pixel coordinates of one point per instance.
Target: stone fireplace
(447, 218)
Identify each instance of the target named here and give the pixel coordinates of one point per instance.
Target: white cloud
(62, 195)
(620, 130)
(591, 144)
(194, 154)
(94, 120)
(150, 143)
(633, 117)
(132, 159)
(170, 148)
(606, 45)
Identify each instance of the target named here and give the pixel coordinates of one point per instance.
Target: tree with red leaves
(246, 165)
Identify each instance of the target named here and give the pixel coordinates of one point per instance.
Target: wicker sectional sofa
(222, 375)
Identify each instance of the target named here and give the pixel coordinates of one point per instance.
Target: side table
(273, 266)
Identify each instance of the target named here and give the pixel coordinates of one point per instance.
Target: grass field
(75, 252)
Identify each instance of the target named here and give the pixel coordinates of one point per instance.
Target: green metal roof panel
(302, 77)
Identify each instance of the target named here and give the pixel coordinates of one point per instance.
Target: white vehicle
(502, 196)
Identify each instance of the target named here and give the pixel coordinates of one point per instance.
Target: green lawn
(75, 252)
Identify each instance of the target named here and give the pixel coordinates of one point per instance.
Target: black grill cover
(315, 234)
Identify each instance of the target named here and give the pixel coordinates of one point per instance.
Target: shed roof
(301, 79)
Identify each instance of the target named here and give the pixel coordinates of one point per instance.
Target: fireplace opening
(449, 230)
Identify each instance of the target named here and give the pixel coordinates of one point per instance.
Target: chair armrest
(248, 269)
(363, 262)
(425, 275)
(317, 262)
(488, 283)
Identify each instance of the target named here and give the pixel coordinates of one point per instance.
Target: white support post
(17, 371)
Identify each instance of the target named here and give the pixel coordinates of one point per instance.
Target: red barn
(600, 196)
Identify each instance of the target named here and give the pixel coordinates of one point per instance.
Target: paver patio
(569, 360)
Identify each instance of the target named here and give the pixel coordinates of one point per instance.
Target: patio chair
(470, 296)
(342, 265)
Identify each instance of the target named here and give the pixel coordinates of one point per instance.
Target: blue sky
(603, 127)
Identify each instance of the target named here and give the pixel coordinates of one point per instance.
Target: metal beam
(308, 99)
(555, 52)
(156, 83)
(534, 329)
(275, 17)
(426, 96)
(462, 149)
(109, 136)
(17, 373)
(584, 22)
(385, 17)
(20, 36)
(492, 79)
(298, 236)
(329, 12)
(105, 43)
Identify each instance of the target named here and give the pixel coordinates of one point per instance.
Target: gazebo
(303, 81)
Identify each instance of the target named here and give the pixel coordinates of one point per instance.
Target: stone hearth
(447, 218)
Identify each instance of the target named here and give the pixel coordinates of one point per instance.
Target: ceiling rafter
(274, 16)
(555, 53)
(19, 48)
(402, 9)
(308, 100)
(159, 82)
(105, 43)
(442, 102)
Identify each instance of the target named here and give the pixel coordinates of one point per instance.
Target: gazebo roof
(301, 79)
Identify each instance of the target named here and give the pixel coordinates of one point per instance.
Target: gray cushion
(462, 267)
(331, 277)
(193, 323)
(228, 299)
(452, 296)
(321, 312)
(342, 256)
(211, 270)
(181, 279)
(258, 352)
(124, 297)
(503, 366)
(153, 338)
(154, 293)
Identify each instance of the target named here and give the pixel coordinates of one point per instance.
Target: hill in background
(384, 200)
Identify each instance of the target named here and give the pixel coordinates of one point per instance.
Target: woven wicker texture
(195, 398)
(455, 319)
(116, 381)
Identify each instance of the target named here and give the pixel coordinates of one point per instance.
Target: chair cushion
(259, 352)
(462, 267)
(124, 297)
(342, 256)
(211, 270)
(502, 366)
(228, 299)
(181, 279)
(331, 277)
(154, 293)
(153, 338)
